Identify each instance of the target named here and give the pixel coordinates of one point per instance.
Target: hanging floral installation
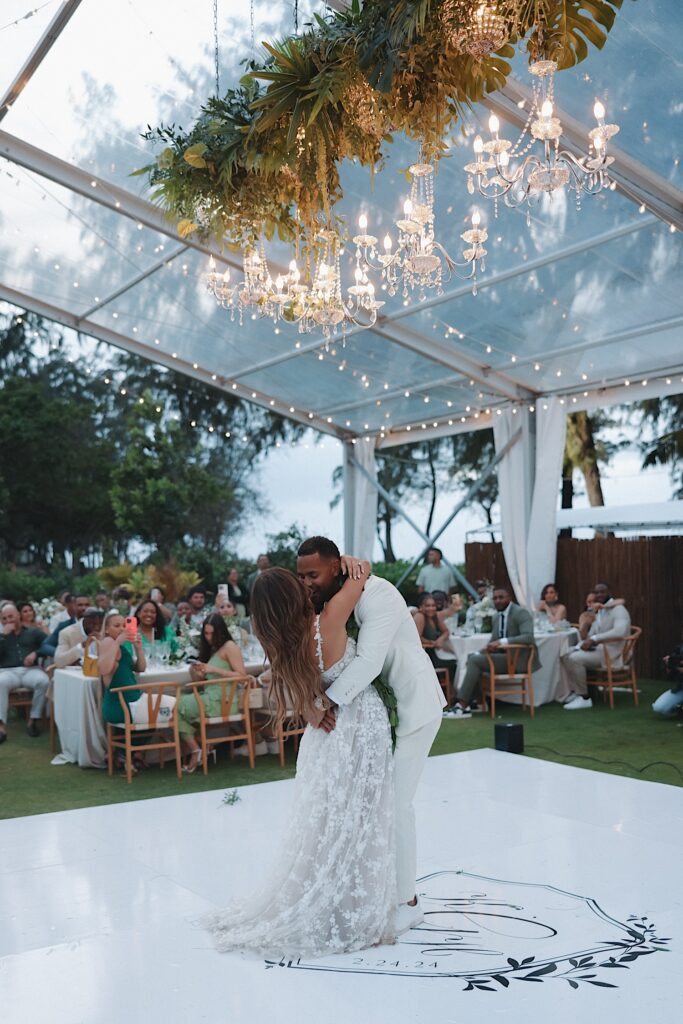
(264, 159)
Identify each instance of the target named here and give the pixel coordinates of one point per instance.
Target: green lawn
(29, 784)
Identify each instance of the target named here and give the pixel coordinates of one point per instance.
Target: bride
(333, 886)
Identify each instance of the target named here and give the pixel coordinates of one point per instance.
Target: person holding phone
(121, 655)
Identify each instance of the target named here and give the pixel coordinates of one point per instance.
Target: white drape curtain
(360, 499)
(528, 481)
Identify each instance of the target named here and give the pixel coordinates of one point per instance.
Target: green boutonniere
(385, 691)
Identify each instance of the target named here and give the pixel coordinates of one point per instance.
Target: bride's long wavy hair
(282, 618)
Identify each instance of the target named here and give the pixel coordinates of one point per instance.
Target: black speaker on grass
(509, 737)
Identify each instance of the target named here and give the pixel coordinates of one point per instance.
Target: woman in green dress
(219, 658)
(119, 659)
(153, 627)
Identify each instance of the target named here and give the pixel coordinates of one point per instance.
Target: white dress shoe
(578, 703)
(407, 917)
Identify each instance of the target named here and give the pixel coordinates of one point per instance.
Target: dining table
(551, 644)
(77, 705)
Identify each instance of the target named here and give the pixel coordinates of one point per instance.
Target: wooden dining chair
(121, 736)
(293, 727)
(609, 677)
(446, 684)
(230, 699)
(515, 681)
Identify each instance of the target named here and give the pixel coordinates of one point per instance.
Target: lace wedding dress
(333, 887)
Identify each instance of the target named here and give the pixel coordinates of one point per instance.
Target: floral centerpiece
(187, 644)
(482, 613)
(46, 608)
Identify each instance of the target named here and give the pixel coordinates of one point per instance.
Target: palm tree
(665, 417)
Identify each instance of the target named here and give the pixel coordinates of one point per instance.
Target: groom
(388, 645)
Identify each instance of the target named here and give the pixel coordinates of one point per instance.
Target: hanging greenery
(265, 157)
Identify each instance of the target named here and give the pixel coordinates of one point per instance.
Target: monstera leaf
(569, 26)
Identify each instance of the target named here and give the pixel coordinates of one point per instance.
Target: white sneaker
(456, 712)
(407, 917)
(578, 703)
(259, 749)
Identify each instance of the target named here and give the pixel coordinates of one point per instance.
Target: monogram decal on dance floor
(489, 932)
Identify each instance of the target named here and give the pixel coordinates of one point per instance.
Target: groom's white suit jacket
(389, 645)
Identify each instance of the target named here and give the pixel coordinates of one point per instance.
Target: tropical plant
(664, 416)
(265, 157)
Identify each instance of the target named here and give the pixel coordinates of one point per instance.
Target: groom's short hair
(319, 546)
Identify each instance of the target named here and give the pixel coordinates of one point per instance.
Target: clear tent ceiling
(576, 301)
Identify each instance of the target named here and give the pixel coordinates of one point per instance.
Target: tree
(166, 483)
(664, 416)
(70, 408)
(53, 465)
(283, 546)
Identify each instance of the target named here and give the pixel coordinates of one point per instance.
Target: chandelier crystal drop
(419, 261)
(501, 170)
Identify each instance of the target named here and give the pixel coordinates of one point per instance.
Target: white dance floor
(551, 893)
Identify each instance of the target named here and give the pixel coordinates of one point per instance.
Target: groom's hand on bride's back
(329, 720)
(324, 719)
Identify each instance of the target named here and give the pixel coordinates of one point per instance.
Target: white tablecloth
(78, 714)
(551, 646)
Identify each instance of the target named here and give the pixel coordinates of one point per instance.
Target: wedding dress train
(333, 886)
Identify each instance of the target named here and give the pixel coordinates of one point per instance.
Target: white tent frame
(503, 389)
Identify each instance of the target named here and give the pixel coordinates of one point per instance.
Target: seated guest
(20, 648)
(102, 600)
(75, 605)
(550, 604)
(587, 616)
(183, 615)
(433, 633)
(612, 623)
(238, 594)
(671, 701)
(434, 576)
(61, 616)
(123, 599)
(224, 606)
(70, 648)
(197, 599)
(156, 594)
(152, 625)
(27, 613)
(592, 606)
(219, 658)
(511, 625)
(119, 660)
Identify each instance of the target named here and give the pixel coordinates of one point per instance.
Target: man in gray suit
(511, 625)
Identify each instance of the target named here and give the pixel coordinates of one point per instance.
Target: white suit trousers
(574, 667)
(410, 755)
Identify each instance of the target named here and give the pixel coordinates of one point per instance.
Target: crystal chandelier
(478, 30)
(318, 305)
(420, 261)
(517, 182)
